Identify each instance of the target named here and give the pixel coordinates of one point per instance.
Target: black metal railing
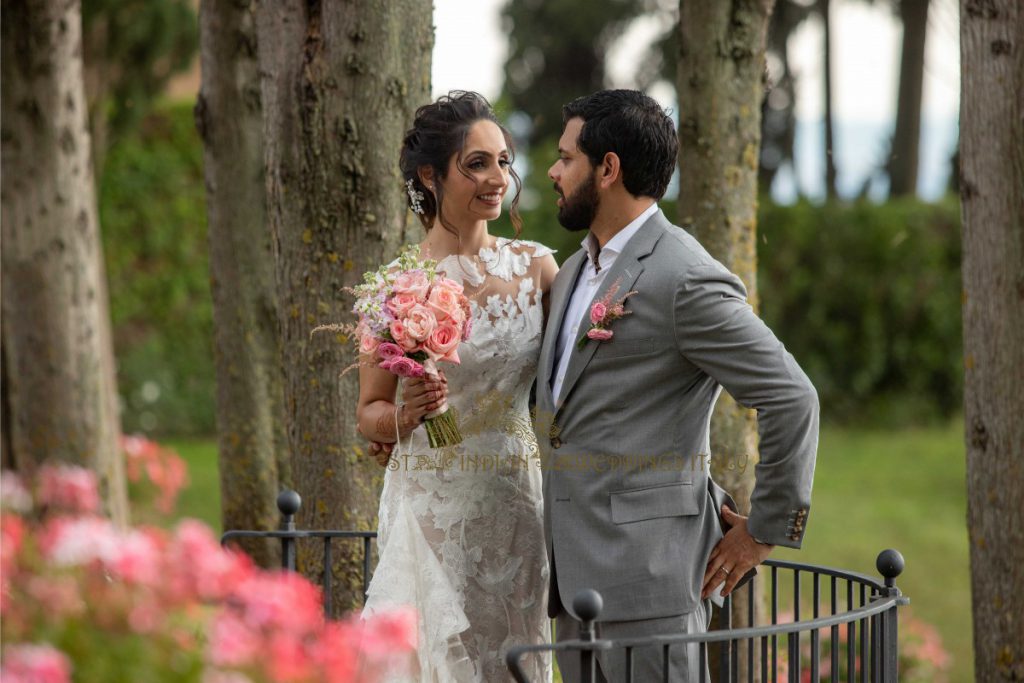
(289, 502)
(868, 620)
(857, 614)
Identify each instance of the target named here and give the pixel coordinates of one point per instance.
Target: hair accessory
(415, 197)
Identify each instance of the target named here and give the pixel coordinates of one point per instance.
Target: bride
(461, 528)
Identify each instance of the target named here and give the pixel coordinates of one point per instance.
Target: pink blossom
(163, 467)
(387, 351)
(446, 283)
(280, 600)
(233, 642)
(287, 659)
(412, 282)
(79, 541)
(420, 322)
(389, 631)
(446, 303)
(599, 334)
(138, 558)
(368, 344)
(400, 333)
(57, 596)
(597, 312)
(13, 493)
(35, 664)
(336, 652)
(200, 567)
(69, 488)
(401, 303)
(405, 367)
(443, 341)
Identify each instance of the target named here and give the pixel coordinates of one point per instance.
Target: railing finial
(289, 502)
(890, 565)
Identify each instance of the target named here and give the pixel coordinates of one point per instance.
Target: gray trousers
(684, 661)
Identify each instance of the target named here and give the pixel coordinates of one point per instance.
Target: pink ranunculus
(406, 367)
(69, 488)
(401, 303)
(599, 334)
(420, 322)
(413, 282)
(368, 344)
(443, 340)
(400, 333)
(597, 312)
(387, 351)
(35, 664)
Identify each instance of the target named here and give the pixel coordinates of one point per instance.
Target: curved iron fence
(846, 631)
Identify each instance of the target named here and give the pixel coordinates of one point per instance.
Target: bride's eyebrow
(484, 153)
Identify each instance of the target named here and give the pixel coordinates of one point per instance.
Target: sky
(470, 50)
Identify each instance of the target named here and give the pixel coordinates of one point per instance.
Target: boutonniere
(603, 313)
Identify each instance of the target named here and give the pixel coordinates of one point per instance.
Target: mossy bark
(253, 452)
(340, 82)
(992, 205)
(720, 87)
(59, 388)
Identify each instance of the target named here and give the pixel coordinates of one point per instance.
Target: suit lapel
(561, 292)
(625, 272)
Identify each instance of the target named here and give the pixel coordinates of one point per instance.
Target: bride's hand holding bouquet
(410, 319)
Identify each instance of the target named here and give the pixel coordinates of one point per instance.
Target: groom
(629, 506)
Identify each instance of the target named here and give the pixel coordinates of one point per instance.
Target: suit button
(556, 442)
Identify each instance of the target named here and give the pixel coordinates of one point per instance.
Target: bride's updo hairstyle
(439, 132)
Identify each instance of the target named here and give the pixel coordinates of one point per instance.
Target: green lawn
(874, 489)
(905, 490)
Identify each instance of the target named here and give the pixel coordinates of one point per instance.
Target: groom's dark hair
(636, 129)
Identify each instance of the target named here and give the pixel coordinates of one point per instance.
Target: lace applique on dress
(461, 534)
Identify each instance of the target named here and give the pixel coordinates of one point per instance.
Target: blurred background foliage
(866, 296)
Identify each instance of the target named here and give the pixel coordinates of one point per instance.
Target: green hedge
(867, 297)
(153, 220)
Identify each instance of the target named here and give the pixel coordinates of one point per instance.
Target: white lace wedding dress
(461, 529)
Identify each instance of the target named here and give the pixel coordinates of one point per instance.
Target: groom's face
(574, 181)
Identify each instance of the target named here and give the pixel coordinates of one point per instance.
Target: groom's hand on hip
(735, 555)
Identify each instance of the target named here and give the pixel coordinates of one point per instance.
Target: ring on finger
(727, 572)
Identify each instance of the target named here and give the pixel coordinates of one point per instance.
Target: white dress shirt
(577, 317)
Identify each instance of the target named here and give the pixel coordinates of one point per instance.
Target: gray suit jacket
(628, 506)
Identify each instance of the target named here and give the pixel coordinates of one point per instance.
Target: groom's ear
(609, 170)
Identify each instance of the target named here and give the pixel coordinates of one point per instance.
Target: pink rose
(412, 282)
(599, 334)
(401, 302)
(446, 302)
(420, 322)
(597, 313)
(443, 341)
(448, 284)
(401, 335)
(368, 344)
(386, 364)
(406, 367)
(387, 351)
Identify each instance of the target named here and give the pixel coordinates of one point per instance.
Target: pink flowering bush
(922, 657)
(84, 600)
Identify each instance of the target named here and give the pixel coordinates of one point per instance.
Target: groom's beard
(577, 212)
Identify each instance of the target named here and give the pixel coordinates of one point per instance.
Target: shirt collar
(606, 256)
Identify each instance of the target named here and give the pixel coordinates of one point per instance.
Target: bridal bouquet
(410, 319)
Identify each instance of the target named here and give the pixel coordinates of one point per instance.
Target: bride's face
(474, 192)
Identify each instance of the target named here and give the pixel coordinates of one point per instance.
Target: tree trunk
(59, 390)
(992, 201)
(250, 401)
(340, 82)
(907, 136)
(830, 159)
(721, 66)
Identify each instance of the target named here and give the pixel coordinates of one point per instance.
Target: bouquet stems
(442, 429)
